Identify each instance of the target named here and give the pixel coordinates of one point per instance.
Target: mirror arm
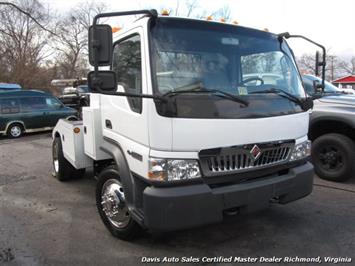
(287, 35)
(96, 44)
(152, 13)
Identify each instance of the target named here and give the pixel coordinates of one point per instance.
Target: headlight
(301, 151)
(173, 170)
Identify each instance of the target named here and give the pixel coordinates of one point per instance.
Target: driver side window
(127, 64)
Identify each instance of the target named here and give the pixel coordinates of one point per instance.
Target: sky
(329, 22)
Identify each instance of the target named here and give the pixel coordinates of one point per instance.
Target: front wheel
(333, 156)
(111, 205)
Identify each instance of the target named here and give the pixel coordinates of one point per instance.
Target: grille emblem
(255, 152)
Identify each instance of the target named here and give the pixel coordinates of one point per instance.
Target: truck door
(125, 118)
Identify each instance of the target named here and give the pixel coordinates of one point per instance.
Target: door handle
(108, 124)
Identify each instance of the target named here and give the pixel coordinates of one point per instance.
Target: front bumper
(173, 208)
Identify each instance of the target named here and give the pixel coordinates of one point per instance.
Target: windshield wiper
(218, 93)
(281, 93)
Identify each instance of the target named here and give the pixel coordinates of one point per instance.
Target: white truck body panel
(73, 143)
(93, 137)
(196, 134)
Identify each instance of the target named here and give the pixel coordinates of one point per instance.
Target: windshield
(191, 55)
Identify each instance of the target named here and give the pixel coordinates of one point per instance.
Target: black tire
(63, 170)
(333, 156)
(15, 130)
(130, 229)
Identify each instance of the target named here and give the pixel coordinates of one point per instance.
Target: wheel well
(57, 135)
(17, 123)
(330, 126)
(72, 118)
(100, 165)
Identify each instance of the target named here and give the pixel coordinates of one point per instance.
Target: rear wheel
(333, 156)
(111, 204)
(62, 169)
(15, 130)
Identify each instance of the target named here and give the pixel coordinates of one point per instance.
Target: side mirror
(102, 81)
(317, 64)
(320, 63)
(317, 87)
(100, 45)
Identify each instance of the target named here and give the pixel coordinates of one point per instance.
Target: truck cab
(191, 131)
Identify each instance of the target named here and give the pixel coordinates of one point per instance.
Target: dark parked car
(30, 111)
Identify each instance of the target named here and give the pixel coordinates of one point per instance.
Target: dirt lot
(45, 222)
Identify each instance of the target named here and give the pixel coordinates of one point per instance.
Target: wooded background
(46, 45)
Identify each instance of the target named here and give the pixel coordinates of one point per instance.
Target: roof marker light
(209, 18)
(235, 22)
(165, 12)
(116, 29)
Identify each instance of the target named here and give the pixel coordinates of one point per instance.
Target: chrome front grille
(241, 159)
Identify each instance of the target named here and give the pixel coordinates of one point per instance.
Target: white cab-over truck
(183, 129)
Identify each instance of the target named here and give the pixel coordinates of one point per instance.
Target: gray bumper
(173, 208)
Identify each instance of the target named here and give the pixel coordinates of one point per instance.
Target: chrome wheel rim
(56, 165)
(55, 158)
(15, 131)
(113, 203)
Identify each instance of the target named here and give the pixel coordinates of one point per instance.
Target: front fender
(114, 149)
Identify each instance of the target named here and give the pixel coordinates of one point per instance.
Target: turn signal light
(76, 130)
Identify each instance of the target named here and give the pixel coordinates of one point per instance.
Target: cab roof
(142, 21)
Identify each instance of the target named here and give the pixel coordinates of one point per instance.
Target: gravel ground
(45, 222)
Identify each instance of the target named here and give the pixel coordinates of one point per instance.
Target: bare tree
(70, 44)
(348, 66)
(191, 6)
(72, 39)
(224, 13)
(85, 12)
(23, 42)
(192, 9)
(307, 65)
